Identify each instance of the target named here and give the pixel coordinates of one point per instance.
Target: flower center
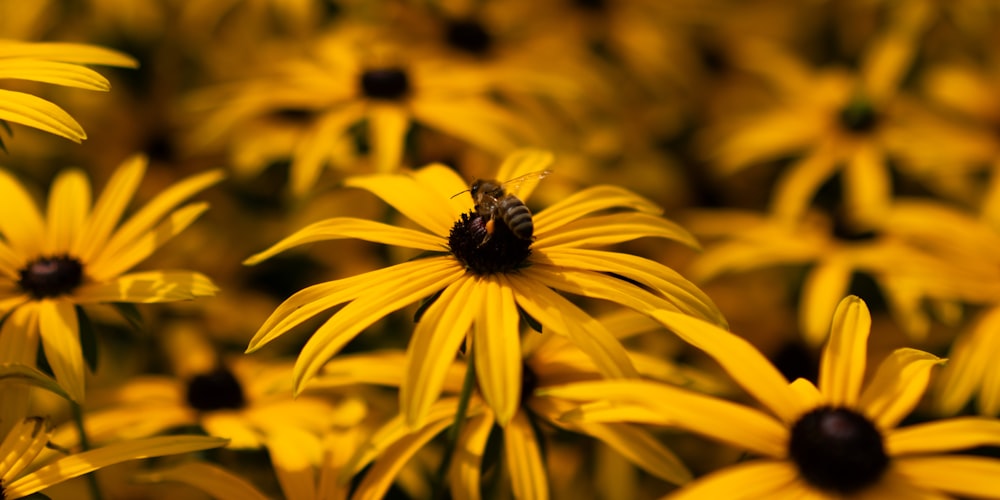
(838, 450)
(385, 83)
(591, 4)
(487, 247)
(51, 276)
(218, 390)
(469, 36)
(858, 116)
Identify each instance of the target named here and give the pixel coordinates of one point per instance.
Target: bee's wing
(522, 185)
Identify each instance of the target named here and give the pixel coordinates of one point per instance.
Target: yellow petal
(474, 120)
(314, 149)
(497, 345)
(588, 201)
(842, 366)
(740, 359)
(57, 73)
(81, 463)
(885, 64)
(825, 285)
(387, 126)
(897, 387)
(604, 230)
(10, 264)
(430, 209)
(20, 447)
(432, 348)
(958, 475)
(942, 436)
(25, 232)
(448, 185)
(378, 300)
(60, 334)
(770, 135)
(747, 481)
(466, 467)
(386, 368)
(521, 163)
(796, 187)
(524, 458)
(147, 287)
(69, 202)
(212, 479)
(26, 109)
(295, 453)
(348, 227)
(641, 448)
(77, 53)
(109, 207)
(867, 188)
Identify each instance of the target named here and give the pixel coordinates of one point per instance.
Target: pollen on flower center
(483, 253)
(838, 450)
(51, 276)
(218, 390)
(469, 36)
(385, 83)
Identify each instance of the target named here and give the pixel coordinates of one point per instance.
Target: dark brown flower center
(858, 117)
(386, 83)
(487, 248)
(838, 450)
(51, 276)
(217, 390)
(469, 36)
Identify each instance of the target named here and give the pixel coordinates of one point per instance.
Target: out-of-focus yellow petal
(295, 454)
(799, 183)
(475, 120)
(524, 458)
(110, 205)
(842, 367)
(60, 332)
(641, 448)
(387, 126)
(466, 468)
(24, 233)
(20, 446)
(963, 476)
(146, 287)
(69, 203)
(747, 481)
(867, 187)
(313, 150)
(825, 285)
(897, 387)
(26, 109)
(433, 346)
(76, 53)
(210, 478)
(497, 345)
(946, 435)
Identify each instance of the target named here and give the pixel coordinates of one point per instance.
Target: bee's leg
(489, 231)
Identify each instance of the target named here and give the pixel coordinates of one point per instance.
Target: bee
(496, 200)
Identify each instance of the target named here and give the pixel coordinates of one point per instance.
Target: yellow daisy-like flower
(358, 76)
(830, 441)
(22, 446)
(486, 280)
(55, 63)
(77, 254)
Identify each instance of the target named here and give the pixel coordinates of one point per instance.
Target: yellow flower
(23, 445)
(833, 440)
(486, 285)
(55, 63)
(354, 77)
(77, 254)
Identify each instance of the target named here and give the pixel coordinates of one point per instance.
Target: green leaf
(23, 373)
(131, 314)
(88, 338)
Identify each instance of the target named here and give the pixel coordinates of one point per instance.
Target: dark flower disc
(218, 390)
(838, 450)
(858, 117)
(386, 83)
(469, 36)
(484, 253)
(51, 276)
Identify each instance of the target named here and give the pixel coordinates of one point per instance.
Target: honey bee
(496, 200)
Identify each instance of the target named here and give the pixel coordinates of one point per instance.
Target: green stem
(456, 425)
(95, 489)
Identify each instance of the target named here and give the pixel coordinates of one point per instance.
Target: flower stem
(456, 425)
(95, 489)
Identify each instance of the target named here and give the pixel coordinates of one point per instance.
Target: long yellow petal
(147, 287)
(387, 126)
(897, 387)
(842, 366)
(497, 344)
(524, 458)
(24, 233)
(604, 230)
(210, 478)
(741, 360)
(444, 181)
(432, 348)
(26, 109)
(971, 358)
(475, 120)
(295, 453)
(588, 201)
(946, 435)
(57, 73)
(963, 476)
(110, 205)
(561, 316)
(797, 185)
(348, 227)
(747, 481)
(825, 285)
(641, 448)
(466, 469)
(69, 203)
(77, 53)
(60, 333)
(82, 463)
(430, 209)
(314, 148)
(20, 446)
(379, 299)
(867, 187)
(383, 472)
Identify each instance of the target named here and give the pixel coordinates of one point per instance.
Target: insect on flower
(496, 200)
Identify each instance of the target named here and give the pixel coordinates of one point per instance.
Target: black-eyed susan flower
(547, 361)
(58, 64)
(358, 76)
(81, 253)
(486, 280)
(23, 473)
(837, 439)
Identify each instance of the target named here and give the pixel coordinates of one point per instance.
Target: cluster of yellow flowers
(584, 249)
